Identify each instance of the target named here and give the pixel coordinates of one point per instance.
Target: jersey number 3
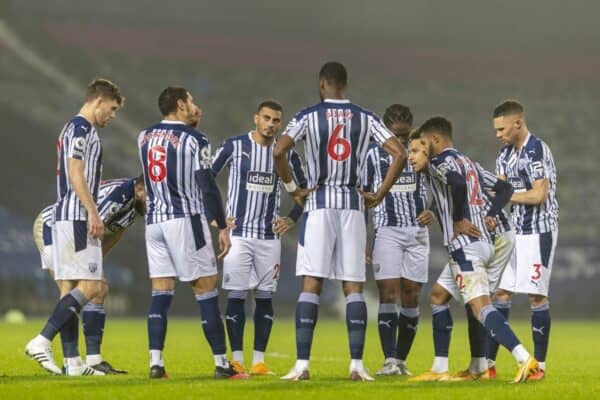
(338, 148)
(157, 160)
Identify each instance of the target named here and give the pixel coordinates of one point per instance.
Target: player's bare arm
(77, 179)
(394, 148)
(284, 144)
(538, 194)
(110, 240)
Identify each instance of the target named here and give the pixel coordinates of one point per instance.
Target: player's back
(171, 152)
(449, 162)
(337, 134)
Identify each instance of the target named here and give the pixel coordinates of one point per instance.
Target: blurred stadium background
(456, 58)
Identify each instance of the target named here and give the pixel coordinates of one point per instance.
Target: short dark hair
(334, 73)
(272, 104)
(105, 89)
(508, 107)
(415, 134)
(397, 113)
(167, 100)
(437, 125)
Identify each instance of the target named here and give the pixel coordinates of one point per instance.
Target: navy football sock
(540, 326)
(307, 312)
(157, 318)
(492, 346)
(408, 320)
(263, 319)
(93, 318)
(498, 328)
(67, 308)
(388, 328)
(356, 323)
(442, 329)
(235, 319)
(212, 324)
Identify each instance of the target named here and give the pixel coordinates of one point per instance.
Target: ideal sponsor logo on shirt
(258, 181)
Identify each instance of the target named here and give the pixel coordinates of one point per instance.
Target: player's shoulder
(80, 126)
(241, 138)
(504, 151)
(117, 183)
(536, 146)
(373, 149)
(307, 110)
(356, 108)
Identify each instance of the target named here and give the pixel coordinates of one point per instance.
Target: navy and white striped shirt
(488, 181)
(253, 195)
(522, 167)
(116, 206)
(79, 140)
(337, 134)
(171, 153)
(406, 199)
(447, 162)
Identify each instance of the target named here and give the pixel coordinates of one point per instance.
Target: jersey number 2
(157, 160)
(337, 143)
(473, 196)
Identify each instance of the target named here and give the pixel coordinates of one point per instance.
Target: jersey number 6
(157, 159)
(337, 143)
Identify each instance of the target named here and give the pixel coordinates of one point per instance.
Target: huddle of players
(353, 162)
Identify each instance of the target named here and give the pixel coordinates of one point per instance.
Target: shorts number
(157, 158)
(460, 282)
(537, 271)
(334, 144)
(473, 196)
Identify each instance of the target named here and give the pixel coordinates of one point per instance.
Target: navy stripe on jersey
(522, 167)
(488, 181)
(337, 134)
(407, 197)
(451, 161)
(171, 152)
(116, 205)
(78, 140)
(254, 193)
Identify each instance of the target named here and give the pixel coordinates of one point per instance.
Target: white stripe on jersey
(522, 167)
(171, 153)
(451, 161)
(78, 140)
(116, 201)
(406, 199)
(488, 181)
(253, 195)
(337, 134)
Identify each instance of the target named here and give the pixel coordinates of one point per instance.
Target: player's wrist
(290, 186)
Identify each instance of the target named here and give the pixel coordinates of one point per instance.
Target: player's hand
(231, 222)
(95, 225)
(490, 223)
(282, 225)
(224, 243)
(426, 218)
(465, 227)
(299, 195)
(371, 199)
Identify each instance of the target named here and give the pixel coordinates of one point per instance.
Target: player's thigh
(415, 262)
(160, 264)
(447, 281)
(469, 269)
(534, 258)
(76, 255)
(350, 242)
(267, 264)
(387, 254)
(316, 244)
(504, 253)
(190, 247)
(238, 264)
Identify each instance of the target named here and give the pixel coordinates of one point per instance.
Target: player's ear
(256, 118)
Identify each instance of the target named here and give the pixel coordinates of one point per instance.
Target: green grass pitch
(573, 368)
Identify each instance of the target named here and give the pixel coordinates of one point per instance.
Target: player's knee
(536, 300)
(351, 287)
(90, 289)
(438, 296)
(502, 295)
(410, 292)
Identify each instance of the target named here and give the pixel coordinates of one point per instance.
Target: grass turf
(573, 367)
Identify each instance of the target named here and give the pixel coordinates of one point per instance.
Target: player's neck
(522, 138)
(261, 140)
(87, 112)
